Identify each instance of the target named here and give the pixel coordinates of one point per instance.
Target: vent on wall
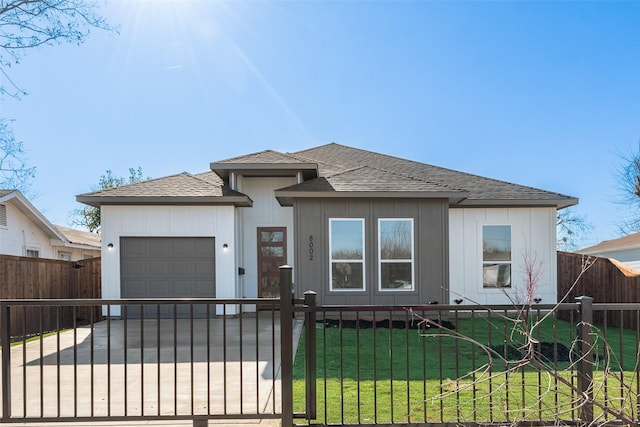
(3, 215)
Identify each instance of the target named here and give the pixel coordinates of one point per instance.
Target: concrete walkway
(136, 368)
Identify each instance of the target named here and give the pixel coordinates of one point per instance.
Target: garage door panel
(159, 249)
(183, 249)
(137, 288)
(181, 267)
(158, 287)
(203, 267)
(156, 267)
(135, 267)
(167, 267)
(203, 246)
(133, 249)
(200, 289)
(177, 289)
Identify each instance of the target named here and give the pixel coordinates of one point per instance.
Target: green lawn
(413, 376)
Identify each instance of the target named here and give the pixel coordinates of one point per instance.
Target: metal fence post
(585, 365)
(310, 354)
(286, 345)
(5, 341)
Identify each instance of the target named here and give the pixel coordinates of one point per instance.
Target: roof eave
(559, 203)
(30, 211)
(97, 201)
(606, 250)
(285, 198)
(222, 169)
(82, 246)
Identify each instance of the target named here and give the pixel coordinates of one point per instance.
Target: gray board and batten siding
(431, 263)
(167, 267)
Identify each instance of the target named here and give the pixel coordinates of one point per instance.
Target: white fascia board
(30, 211)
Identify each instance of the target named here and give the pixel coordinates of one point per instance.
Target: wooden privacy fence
(606, 280)
(36, 278)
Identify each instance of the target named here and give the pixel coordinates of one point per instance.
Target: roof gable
(266, 163)
(20, 202)
(266, 157)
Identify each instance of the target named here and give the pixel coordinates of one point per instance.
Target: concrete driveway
(144, 367)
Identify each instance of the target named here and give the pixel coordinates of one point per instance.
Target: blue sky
(545, 94)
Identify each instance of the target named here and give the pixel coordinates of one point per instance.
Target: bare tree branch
(14, 173)
(523, 336)
(89, 216)
(28, 24)
(628, 182)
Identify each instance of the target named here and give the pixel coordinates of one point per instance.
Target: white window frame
(3, 216)
(65, 256)
(30, 252)
(396, 261)
(362, 261)
(483, 262)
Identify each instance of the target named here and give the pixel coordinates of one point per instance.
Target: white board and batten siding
(532, 234)
(216, 222)
(266, 212)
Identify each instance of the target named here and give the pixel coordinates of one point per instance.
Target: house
(625, 249)
(358, 227)
(24, 231)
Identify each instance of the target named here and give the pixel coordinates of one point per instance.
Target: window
(65, 256)
(496, 256)
(33, 253)
(346, 254)
(3, 215)
(395, 250)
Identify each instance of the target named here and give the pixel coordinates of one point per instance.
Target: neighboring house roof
(184, 188)
(66, 236)
(80, 238)
(630, 242)
(330, 170)
(23, 205)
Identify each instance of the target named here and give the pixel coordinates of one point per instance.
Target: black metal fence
(462, 365)
(228, 358)
(220, 364)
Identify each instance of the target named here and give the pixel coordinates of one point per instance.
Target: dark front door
(272, 253)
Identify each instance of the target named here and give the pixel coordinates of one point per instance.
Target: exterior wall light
(110, 246)
(225, 247)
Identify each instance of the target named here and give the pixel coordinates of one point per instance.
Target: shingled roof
(265, 163)
(628, 242)
(330, 170)
(333, 159)
(184, 188)
(79, 237)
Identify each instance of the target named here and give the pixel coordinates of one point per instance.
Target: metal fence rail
(202, 359)
(451, 365)
(217, 362)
